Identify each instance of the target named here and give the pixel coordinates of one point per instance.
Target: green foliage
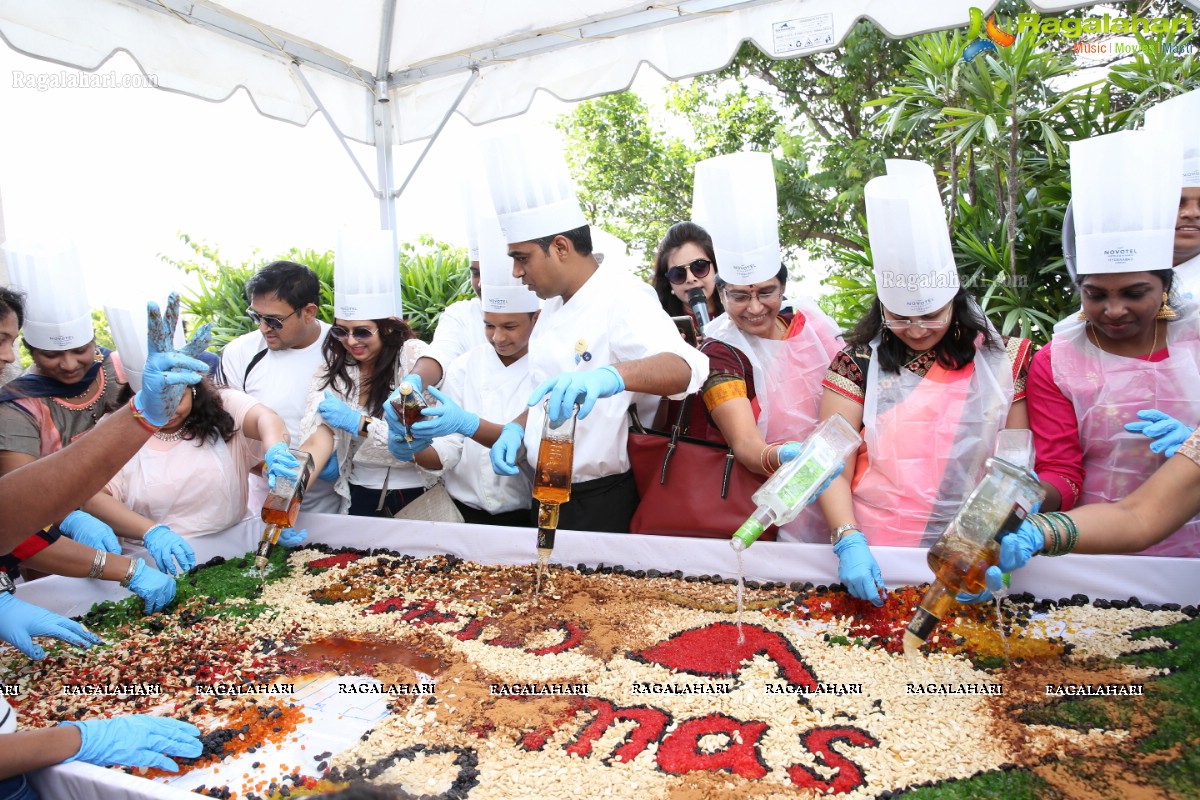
(435, 275)
(1017, 784)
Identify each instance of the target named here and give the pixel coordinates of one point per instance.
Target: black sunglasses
(361, 334)
(274, 323)
(699, 268)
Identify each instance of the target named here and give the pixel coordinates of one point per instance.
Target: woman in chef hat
(924, 375)
(368, 352)
(764, 384)
(1128, 366)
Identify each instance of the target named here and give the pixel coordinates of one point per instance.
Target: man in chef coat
(602, 342)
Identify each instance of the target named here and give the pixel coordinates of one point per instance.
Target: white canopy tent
(393, 71)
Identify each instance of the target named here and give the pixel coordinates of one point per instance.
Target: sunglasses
(699, 268)
(906, 324)
(361, 334)
(274, 323)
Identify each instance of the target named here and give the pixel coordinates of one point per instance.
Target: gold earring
(1081, 315)
(1166, 312)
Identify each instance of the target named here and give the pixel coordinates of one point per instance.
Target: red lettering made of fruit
(649, 725)
(847, 776)
(420, 611)
(681, 752)
(573, 635)
(340, 560)
(714, 651)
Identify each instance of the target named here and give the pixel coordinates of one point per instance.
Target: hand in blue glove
(445, 419)
(155, 588)
(504, 451)
(1018, 547)
(290, 537)
(164, 545)
(21, 621)
(996, 587)
(338, 414)
(281, 462)
(330, 471)
(87, 530)
(404, 450)
(168, 372)
(857, 568)
(581, 389)
(1167, 432)
(136, 741)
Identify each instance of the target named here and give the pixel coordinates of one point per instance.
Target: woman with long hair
(686, 261)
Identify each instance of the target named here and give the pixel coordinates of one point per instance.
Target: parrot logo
(995, 35)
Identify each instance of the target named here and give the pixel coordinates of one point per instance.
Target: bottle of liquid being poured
(785, 494)
(408, 407)
(282, 507)
(971, 543)
(552, 479)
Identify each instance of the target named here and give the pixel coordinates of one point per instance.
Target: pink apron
(1107, 391)
(926, 443)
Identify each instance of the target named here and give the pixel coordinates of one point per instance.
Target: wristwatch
(6, 583)
(836, 535)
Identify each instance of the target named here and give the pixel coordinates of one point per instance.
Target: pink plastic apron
(195, 490)
(1107, 391)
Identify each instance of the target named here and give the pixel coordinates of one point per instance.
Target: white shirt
(478, 381)
(614, 317)
(1187, 280)
(459, 328)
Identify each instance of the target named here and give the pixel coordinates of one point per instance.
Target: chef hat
(734, 200)
(57, 314)
(1181, 116)
(1125, 196)
(366, 273)
(531, 188)
(128, 322)
(915, 273)
(499, 291)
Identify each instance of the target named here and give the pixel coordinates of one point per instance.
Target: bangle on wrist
(141, 418)
(98, 562)
(840, 532)
(128, 579)
(764, 459)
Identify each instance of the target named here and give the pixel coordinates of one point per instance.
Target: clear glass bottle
(282, 506)
(552, 479)
(408, 407)
(785, 494)
(971, 543)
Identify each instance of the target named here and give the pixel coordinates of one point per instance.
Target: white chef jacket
(614, 317)
(479, 382)
(1187, 280)
(279, 381)
(459, 328)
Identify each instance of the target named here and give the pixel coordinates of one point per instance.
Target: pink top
(1056, 429)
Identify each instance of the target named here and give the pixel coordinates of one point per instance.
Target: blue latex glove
(1167, 432)
(581, 389)
(330, 471)
(155, 588)
(136, 741)
(281, 462)
(445, 419)
(168, 372)
(1017, 548)
(87, 530)
(504, 451)
(404, 450)
(857, 568)
(21, 621)
(338, 414)
(994, 579)
(290, 537)
(167, 547)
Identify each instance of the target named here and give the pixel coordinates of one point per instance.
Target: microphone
(699, 304)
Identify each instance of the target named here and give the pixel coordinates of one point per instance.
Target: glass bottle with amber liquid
(282, 507)
(408, 407)
(552, 478)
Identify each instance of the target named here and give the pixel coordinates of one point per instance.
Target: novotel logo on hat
(744, 270)
(349, 309)
(60, 339)
(1121, 251)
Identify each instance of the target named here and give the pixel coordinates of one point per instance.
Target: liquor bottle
(282, 507)
(785, 494)
(552, 479)
(971, 543)
(408, 407)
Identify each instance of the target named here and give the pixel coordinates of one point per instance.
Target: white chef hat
(499, 291)
(915, 272)
(1181, 116)
(531, 189)
(733, 198)
(1125, 196)
(128, 322)
(366, 273)
(57, 314)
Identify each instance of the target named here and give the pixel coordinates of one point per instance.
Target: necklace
(170, 437)
(1096, 341)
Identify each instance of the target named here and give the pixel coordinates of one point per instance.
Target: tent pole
(437, 131)
(381, 118)
(336, 131)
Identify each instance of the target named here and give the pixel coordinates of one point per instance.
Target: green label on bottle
(802, 483)
(749, 532)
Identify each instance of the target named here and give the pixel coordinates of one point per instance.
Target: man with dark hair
(12, 317)
(275, 363)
